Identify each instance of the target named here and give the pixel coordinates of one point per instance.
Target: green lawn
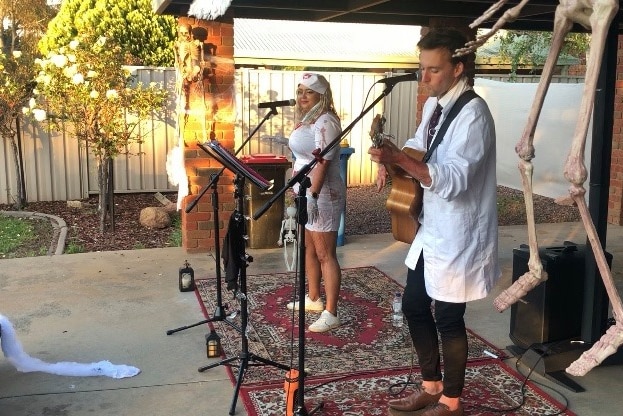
(24, 237)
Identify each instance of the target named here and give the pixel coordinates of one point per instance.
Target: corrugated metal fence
(58, 168)
(352, 93)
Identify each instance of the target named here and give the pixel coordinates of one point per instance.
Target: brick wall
(209, 115)
(615, 201)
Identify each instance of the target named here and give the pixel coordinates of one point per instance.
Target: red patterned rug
(366, 341)
(489, 386)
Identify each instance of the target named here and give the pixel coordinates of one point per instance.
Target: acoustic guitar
(404, 202)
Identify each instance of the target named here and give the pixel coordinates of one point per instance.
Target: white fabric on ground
(24, 363)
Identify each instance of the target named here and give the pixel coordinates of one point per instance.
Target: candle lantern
(213, 344)
(187, 278)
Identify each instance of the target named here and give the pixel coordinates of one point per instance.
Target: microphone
(412, 76)
(273, 104)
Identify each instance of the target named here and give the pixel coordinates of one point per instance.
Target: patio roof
(536, 15)
(349, 45)
(342, 45)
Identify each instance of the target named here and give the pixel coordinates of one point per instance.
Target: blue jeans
(423, 327)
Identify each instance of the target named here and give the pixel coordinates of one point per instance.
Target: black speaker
(552, 311)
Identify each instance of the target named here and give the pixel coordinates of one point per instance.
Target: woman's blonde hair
(325, 105)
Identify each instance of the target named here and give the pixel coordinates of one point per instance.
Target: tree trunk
(20, 171)
(102, 181)
(111, 195)
(20, 202)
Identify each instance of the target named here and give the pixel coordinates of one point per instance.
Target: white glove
(312, 210)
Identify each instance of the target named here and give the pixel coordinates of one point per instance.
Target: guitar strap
(466, 97)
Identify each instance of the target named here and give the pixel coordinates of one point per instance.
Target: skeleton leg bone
(525, 151)
(290, 255)
(575, 171)
(490, 12)
(509, 16)
(609, 343)
(596, 15)
(535, 273)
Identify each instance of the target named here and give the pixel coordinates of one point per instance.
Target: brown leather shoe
(440, 409)
(394, 412)
(416, 401)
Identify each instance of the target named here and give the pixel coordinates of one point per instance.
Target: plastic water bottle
(397, 310)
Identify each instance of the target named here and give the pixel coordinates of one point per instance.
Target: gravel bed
(365, 214)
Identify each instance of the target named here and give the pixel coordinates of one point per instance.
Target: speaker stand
(550, 360)
(551, 363)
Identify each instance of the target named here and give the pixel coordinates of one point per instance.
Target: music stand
(302, 179)
(231, 162)
(219, 312)
(239, 262)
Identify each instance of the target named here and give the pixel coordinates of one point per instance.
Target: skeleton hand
(381, 178)
(312, 209)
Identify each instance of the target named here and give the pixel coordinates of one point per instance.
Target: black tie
(432, 123)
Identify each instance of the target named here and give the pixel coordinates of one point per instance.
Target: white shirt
(308, 137)
(459, 230)
(332, 196)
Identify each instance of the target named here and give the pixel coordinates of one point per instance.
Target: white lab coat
(459, 230)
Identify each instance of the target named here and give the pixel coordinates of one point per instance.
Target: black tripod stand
(220, 310)
(237, 263)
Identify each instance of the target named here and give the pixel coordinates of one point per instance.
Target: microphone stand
(303, 181)
(219, 312)
(237, 230)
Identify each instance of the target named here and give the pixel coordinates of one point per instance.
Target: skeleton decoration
(287, 236)
(188, 62)
(596, 16)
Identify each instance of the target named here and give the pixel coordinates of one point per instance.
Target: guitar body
(404, 202)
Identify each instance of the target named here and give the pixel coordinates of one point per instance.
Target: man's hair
(446, 38)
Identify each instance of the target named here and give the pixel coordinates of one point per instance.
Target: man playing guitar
(453, 258)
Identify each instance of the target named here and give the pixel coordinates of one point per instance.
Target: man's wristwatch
(314, 195)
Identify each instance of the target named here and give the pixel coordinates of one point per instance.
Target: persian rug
(365, 341)
(491, 388)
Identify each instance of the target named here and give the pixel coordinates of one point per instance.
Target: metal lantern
(213, 344)
(187, 278)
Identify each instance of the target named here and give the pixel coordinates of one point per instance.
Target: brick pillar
(615, 200)
(208, 114)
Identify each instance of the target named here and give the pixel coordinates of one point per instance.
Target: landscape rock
(154, 217)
